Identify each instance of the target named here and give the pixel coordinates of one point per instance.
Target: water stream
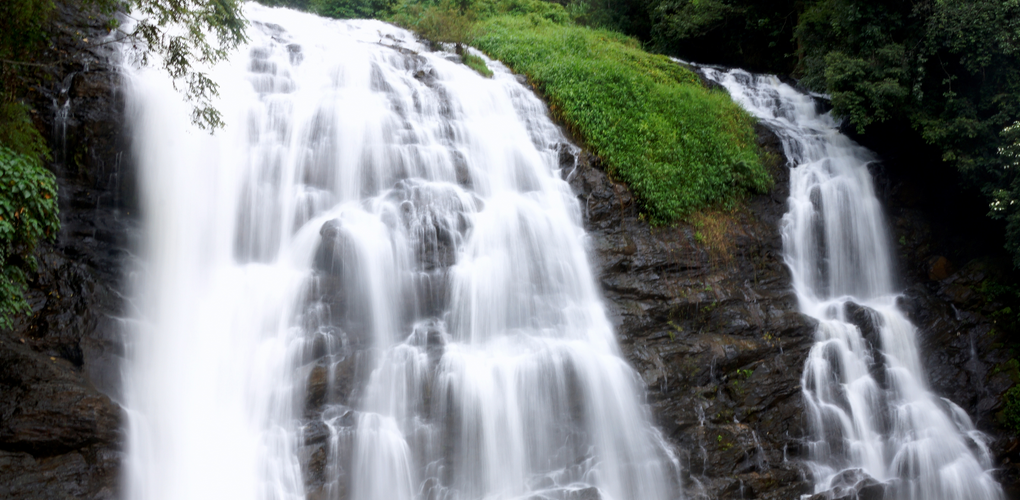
(872, 416)
(379, 245)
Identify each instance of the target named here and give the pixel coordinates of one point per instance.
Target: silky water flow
(378, 254)
(871, 414)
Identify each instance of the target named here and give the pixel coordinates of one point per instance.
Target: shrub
(28, 213)
(17, 131)
(444, 23)
(549, 11)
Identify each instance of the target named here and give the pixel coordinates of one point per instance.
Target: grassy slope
(679, 146)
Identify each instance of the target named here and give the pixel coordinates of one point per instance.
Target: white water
(869, 405)
(370, 204)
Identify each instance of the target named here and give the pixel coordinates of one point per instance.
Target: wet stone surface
(60, 434)
(711, 324)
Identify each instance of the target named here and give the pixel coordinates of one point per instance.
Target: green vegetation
(339, 9)
(679, 146)
(211, 29)
(446, 22)
(723, 445)
(28, 205)
(28, 213)
(477, 63)
(1000, 302)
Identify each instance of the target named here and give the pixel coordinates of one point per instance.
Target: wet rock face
(706, 314)
(59, 432)
(853, 484)
(967, 358)
(708, 317)
(948, 250)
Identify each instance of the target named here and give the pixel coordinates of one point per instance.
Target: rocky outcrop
(853, 484)
(951, 259)
(59, 432)
(707, 314)
(966, 333)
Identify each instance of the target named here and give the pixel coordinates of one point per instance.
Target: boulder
(852, 484)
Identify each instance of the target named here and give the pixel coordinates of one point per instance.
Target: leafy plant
(28, 213)
(1003, 301)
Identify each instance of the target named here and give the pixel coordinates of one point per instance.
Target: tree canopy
(187, 35)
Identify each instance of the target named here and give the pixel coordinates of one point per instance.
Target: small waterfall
(872, 416)
(378, 252)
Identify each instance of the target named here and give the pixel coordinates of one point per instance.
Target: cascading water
(870, 410)
(385, 217)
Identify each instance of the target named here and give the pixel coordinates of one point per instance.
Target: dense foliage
(28, 213)
(754, 34)
(478, 64)
(679, 146)
(1011, 410)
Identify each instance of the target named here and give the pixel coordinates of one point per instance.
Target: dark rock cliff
(60, 434)
(950, 256)
(706, 313)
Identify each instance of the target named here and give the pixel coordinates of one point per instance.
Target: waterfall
(873, 420)
(379, 250)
